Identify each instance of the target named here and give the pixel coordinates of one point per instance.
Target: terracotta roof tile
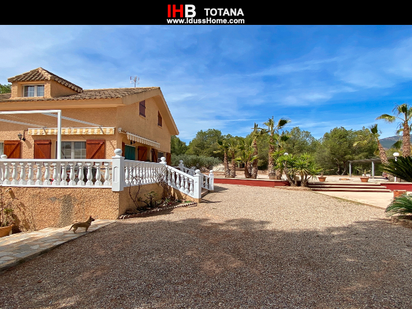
(91, 94)
(40, 74)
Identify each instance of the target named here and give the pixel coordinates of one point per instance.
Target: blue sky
(229, 77)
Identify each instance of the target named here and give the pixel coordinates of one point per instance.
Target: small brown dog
(82, 224)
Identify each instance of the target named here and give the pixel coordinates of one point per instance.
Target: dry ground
(247, 247)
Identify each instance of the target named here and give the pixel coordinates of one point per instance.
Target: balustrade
(54, 173)
(206, 181)
(116, 173)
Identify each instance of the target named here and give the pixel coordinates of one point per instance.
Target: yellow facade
(107, 113)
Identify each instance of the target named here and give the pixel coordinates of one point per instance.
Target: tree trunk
(382, 154)
(406, 145)
(278, 174)
(255, 162)
(226, 165)
(233, 168)
(271, 172)
(247, 172)
(291, 181)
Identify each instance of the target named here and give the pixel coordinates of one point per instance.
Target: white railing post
(211, 181)
(197, 190)
(118, 171)
(5, 168)
(181, 166)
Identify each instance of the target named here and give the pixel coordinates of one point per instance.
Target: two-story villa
(93, 122)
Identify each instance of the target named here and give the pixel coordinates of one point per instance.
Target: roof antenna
(134, 80)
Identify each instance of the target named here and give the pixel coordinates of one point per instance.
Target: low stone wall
(126, 202)
(37, 208)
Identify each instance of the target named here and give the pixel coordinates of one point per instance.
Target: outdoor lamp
(396, 155)
(21, 137)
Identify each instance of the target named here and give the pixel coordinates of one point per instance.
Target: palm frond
(387, 117)
(397, 145)
(402, 205)
(402, 168)
(374, 129)
(282, 123)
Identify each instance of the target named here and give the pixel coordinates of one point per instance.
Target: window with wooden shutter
(12, 149)
(142, 153)
(142, 108)
(42, 149)
(95, 149)
(159, 119)
(154, 155)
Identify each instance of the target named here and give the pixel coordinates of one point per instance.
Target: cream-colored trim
(73, 131)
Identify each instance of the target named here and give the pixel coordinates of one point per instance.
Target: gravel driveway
(247, 247)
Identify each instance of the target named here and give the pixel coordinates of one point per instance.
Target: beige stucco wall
(51, 89)
(38, 208)
(126, 202)
(126, 117)
(104, 116)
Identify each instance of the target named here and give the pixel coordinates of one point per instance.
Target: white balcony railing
(55, 173)
(116, 173)
(207, 181)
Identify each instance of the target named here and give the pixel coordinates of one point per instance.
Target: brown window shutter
(169, 158)
(142, 108)
(95, 149)
(154, 155)
(142, 153)
(42, 149)
(12, 149)
(159, 119)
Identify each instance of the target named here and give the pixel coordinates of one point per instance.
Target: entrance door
(129, 152)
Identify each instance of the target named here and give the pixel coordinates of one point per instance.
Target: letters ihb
(187, 10)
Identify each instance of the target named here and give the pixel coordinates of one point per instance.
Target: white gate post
(197, 186)
(118, 171)
(211, 181)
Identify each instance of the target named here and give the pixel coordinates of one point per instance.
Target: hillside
(389, 141)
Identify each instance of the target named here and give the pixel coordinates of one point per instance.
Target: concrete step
(348, 187)
(369, 184)
(352, 190)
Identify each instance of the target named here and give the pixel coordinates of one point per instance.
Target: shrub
(401, 206)
(402, 168)
(199, 162)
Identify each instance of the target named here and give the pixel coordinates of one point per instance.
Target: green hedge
(200, 162)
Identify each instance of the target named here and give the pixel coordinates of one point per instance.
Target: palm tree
(375, 135)
(280, 142)
(246, 155)
(273, 131)
(256, 134)
(233, 147)
(223, 146)
(404, 113)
